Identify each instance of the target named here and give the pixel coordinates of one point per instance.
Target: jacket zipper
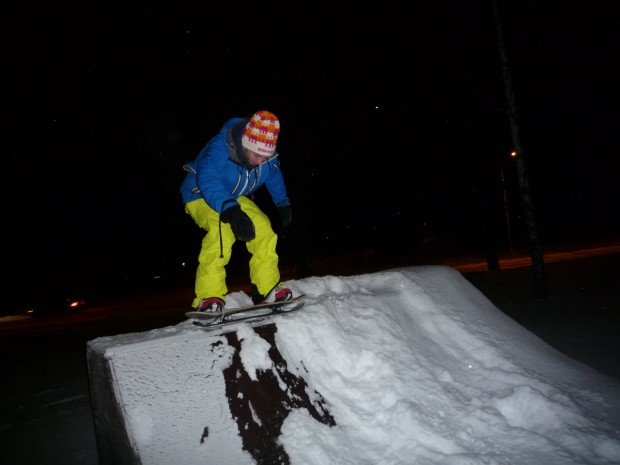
(247, 180)
(256, 176)
(237, 185)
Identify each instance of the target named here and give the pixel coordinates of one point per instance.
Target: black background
(394, 128)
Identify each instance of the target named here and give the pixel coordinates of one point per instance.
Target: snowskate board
(284, 306)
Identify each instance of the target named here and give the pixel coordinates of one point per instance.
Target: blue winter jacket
(221, 172)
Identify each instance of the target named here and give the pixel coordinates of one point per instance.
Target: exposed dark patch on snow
(260, 407)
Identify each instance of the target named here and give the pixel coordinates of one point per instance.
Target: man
(216, 192)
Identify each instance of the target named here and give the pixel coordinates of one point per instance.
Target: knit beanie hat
(261, 133)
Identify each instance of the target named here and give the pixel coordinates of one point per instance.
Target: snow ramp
(410, 365)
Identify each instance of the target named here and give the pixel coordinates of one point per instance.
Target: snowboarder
(216, 192)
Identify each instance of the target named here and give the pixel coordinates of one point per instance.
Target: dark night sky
(394, 126)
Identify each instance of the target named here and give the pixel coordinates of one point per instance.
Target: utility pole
(540, 278)
(506, 214)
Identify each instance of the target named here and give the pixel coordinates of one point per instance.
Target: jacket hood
(233, 141)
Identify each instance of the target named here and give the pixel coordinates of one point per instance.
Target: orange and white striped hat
(261, 133)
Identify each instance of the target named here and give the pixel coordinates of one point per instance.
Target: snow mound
(410, 365)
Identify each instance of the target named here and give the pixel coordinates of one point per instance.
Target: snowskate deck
(251, 319)
(275, 307)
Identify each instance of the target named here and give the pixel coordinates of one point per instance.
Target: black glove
(286, 215)
(240, 223)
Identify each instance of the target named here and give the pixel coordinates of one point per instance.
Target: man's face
(254, 158)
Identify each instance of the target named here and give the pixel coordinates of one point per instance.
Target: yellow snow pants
(211, 272)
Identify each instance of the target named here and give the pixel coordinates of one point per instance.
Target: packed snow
(414, 365)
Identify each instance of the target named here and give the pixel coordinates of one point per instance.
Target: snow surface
(415, 365)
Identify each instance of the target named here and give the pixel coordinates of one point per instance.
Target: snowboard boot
(211, 305)
(277, 294)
